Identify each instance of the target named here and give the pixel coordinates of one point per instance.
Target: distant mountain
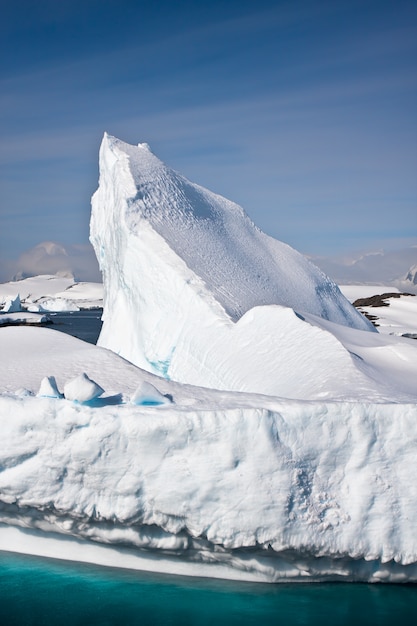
(385, 267)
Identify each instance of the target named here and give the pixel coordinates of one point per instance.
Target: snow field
(51, 293)
(399, 318)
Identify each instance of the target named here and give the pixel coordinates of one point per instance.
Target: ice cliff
(188, 278)
(302, 492)
(216, 483)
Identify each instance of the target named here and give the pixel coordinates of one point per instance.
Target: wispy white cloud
(278, 107)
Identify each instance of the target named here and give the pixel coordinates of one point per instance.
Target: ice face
(214, 483)
(299, 491)
(182, 267)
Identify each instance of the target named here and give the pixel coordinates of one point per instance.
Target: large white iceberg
(307, 477)
(193, 290)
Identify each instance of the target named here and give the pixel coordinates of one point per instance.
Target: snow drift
(183, 266)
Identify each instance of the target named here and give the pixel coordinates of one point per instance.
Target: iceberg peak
(179, 261)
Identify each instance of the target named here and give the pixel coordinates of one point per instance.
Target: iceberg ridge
(181, 263)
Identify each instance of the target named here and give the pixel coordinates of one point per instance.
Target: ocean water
(35, 591)
(85, 325)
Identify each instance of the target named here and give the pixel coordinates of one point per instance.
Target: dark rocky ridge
(376, 301)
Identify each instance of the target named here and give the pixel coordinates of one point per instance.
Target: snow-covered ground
(52, 293)
(288, 458)
(398, 318)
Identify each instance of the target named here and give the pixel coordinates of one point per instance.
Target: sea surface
(35, 591)
(85, 325)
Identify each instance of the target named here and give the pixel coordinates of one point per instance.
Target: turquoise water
(36, 591)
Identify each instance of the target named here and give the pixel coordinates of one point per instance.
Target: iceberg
(188, 278)
(261, 431)
(218, 483)
(13, 305)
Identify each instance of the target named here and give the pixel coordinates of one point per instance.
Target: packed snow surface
(213, 483)
(188, 277)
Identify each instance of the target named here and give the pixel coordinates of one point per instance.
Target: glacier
(239, 419)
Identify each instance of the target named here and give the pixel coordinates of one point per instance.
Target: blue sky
(305, 113)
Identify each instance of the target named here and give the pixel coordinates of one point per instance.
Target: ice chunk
(148, 395)
(49, 388)
(57, 304)
(82, 389)
(12, 305)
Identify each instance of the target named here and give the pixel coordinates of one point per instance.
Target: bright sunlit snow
(290, 458)
(195, 292)
(51, 293)
(398, 317)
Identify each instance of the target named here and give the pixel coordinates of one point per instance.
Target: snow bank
(354, 292)
(54, 304)
(181, 264)
(17, 319)
(331, 362)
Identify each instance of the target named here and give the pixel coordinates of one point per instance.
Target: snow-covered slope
(187, 276)
(395, 315)
(216, 483)
(49, 292)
